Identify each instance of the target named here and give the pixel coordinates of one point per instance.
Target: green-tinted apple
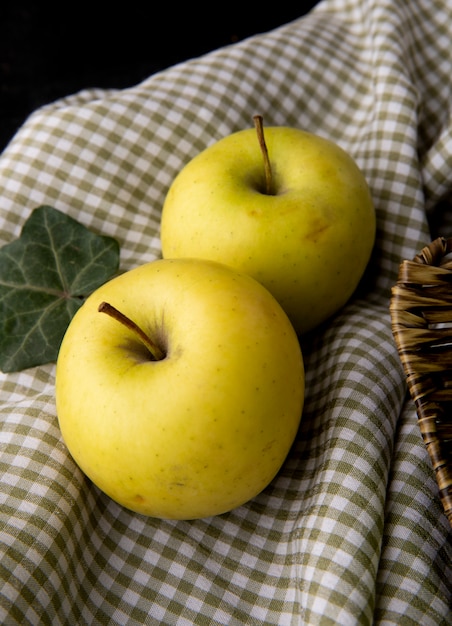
(303, 225)
(181, 397)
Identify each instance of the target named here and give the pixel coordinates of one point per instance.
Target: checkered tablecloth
(351, 531)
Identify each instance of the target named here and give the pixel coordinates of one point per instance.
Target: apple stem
(154, 350)
(259, 125)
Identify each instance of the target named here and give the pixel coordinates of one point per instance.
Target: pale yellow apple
(308, 242)
(203, 429)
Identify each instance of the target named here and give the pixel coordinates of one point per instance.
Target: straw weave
(421, 312)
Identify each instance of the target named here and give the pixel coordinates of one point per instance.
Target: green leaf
(45, 275)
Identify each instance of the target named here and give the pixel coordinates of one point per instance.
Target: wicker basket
(421, 313)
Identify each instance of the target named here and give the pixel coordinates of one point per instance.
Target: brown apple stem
(259, 125)
(154, 350)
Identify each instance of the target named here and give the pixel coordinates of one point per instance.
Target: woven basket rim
(421, 318)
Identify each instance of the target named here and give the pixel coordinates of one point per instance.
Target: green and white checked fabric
(351, 531)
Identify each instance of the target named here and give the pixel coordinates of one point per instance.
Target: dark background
(48, 50)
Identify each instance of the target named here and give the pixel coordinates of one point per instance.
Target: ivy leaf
(45, 276)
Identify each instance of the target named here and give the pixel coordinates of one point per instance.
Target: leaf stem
(154, 350)
(259, 125)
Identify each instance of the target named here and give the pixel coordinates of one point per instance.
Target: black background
(48, 51)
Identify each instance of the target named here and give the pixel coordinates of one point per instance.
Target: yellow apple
(179, 388)
(290, 208)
